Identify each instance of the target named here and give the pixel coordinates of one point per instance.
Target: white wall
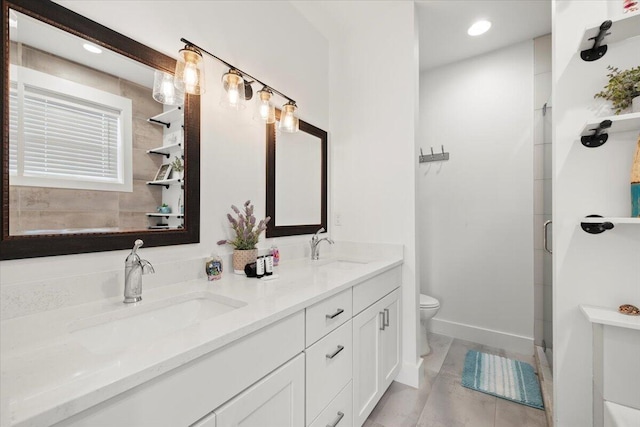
(248, 35)
(373, 102)
(476, 210)
(603, 269)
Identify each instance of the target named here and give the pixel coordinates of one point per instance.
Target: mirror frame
(31, 246)
(274, 230)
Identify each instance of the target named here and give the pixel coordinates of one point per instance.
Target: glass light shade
(288, 119)
(264, 109)
(164, 91)
(233, 94)
(189, 75)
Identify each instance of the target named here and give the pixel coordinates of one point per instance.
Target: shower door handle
(546, 240)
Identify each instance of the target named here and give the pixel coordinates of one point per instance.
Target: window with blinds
(64, 138)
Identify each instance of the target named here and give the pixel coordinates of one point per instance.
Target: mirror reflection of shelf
(166, 182)
(164, 227)
(620, 123)
(167, 118)
(621, 29)
(165, 215)
(166, 150)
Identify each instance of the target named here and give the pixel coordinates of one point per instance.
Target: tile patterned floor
(443, 402)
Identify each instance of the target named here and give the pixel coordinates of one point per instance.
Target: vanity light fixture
(479, 27)
(265, 110)
(164, 91)
(189, 76)
(92, 48)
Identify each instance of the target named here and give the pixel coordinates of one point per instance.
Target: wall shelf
(166, 118)
(613, 220)
(595, 224)
(621, 29)
(610, 316)
(595, 132)
(165, 182)
(166, 150)
(164, 215)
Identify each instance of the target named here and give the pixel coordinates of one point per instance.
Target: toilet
(428, 308)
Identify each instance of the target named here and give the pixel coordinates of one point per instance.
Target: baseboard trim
(411, 375)
(503, 340)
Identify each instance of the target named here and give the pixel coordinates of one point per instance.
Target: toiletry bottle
(268, 265)
(260, 267)
(276, 255)
(213, 267)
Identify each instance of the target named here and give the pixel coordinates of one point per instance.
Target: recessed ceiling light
(91, 48)
(479, 27)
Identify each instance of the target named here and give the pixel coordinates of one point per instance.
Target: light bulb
(232, 96)
(288, 120)
(265, 110)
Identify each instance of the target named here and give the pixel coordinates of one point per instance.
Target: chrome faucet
(134, 268)
(315, 241)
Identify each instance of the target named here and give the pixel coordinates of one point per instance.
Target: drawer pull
(382, 321)
(386, 317)
(336, 314)
(335, 353)
(335, 423)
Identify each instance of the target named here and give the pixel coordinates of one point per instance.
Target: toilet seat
(428, 302)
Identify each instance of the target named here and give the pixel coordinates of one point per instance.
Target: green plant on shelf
(177, 164)
(623, 86)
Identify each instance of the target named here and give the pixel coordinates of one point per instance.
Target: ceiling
(45, 37)
(443, 27)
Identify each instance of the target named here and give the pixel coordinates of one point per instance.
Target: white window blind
(64, 138)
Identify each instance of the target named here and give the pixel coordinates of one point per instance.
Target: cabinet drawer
(327, 315)
(339, 412)
(328, 369)
(371, 290)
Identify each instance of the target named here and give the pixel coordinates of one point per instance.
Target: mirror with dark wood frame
(38, 194)
(296, 180)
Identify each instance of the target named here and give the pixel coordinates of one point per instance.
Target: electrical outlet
(338, 220)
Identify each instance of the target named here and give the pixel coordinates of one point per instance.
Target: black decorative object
(599, 137)
(596, 227)
(598, 50)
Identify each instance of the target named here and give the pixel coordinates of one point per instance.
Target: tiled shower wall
(542, 190)
(37, 208)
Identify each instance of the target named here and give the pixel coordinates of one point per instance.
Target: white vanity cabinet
(376, 353)
(275, 401)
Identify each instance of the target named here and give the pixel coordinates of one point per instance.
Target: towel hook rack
(433, 157)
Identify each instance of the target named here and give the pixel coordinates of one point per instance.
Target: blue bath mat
(501, 377)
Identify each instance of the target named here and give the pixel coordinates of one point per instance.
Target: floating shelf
(165, 182)
(166, 118)
(163, 227)
(166, 150)
(613, 220)
(163, 215)
(610, 316)
(596, 132)
(621, 29)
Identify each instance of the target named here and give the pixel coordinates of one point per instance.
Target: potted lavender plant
(247, 234)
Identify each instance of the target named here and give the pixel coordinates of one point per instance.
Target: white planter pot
(635, 105)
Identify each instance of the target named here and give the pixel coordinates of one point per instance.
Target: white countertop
(48, 375)
(610, 316)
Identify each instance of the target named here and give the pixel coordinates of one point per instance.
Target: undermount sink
(146, 322)
(342, 264)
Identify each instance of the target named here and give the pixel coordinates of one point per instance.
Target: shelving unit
(166, 150)
(167, 118)
(620, 29)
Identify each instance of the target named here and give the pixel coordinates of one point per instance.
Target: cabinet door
(367, 388)
(390, 340)
(275, 401)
